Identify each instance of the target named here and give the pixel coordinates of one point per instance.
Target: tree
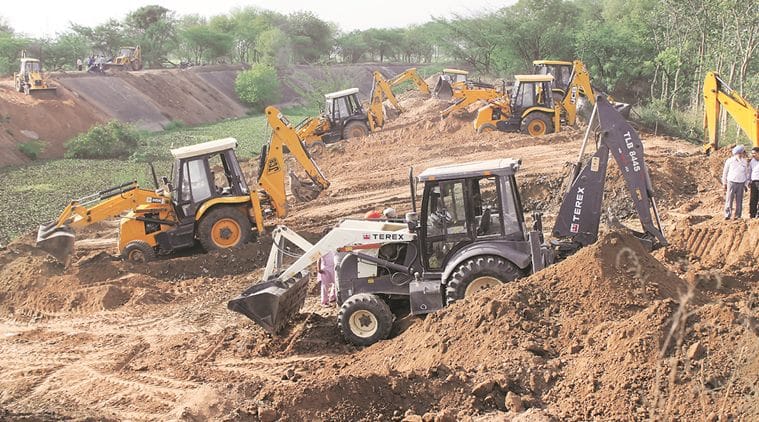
(202, 42)
(63, 51)
(105, 38)
(154, 29)
(274, 48)
(258, 86)
(383, 42)
(311, 38)
(351, 46)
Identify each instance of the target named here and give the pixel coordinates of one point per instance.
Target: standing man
(735, 181)
(326, 277)
(753, 177)
(79, 64)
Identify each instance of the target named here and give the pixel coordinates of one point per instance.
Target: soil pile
(612, 333)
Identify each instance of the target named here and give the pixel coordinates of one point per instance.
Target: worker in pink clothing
(326, 277)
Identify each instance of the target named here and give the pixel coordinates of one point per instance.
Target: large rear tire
(365, 319)
(224, 228)
(537, 124)
(477, 274)
(355, 129)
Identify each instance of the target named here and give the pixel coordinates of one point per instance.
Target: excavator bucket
(622, 108)
(302, 190)
(57, 241)
(272, 304)
(443, 89)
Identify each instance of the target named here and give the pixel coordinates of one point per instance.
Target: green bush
(111, 140)
(657, 117)
(175, 124)
(32, 149)
(258, 86)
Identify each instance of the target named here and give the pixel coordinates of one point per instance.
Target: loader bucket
(58, 242)
(443, 90)
(622, 108)
(303, 190)
(272, 304)
(43, 93)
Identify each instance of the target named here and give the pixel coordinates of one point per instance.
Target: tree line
(644, 51)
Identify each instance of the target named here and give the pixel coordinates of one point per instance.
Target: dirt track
(602, 335)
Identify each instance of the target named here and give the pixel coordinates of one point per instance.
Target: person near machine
(753, 173)
(735, 182)
(326, 275)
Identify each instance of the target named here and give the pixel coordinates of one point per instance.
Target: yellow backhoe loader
(207, 201)
(30, 79)
(530, 109)
(343, 117)
(129, 58)
(719, 95)
(575, 84)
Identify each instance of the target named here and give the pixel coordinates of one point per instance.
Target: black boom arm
(580, 211)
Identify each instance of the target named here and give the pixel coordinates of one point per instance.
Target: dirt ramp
(119, 100)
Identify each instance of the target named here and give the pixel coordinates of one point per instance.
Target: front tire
(486, 127)
(365, 319)
(477, 274)
(537, 124)
(355, 129)
(138, 251)
(224, 228)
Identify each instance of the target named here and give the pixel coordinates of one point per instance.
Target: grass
(35, 193)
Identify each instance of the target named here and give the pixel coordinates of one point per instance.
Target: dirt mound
(716, 243)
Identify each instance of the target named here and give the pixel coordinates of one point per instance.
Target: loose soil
(611, 333)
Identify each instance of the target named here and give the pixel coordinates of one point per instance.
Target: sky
(54, 16)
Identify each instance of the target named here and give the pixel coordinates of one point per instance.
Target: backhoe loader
(207, 201)
(129, 58)
(574, 84)
(343, 118)
(718, 94)
(470, 235)
(530, 109)
(30, 79)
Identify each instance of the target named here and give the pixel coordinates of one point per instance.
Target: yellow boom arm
(107, 204)
(412, 75)
(272, 174)
(718, 94)
(466, 97)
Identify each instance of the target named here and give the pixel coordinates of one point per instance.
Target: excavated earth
(611, 333)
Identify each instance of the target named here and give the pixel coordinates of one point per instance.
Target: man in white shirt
(735, 181)
(753, 178)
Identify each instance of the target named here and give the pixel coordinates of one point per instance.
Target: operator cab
(206, 171)
(346, 115)
(30, 66)
(467, 203)
(561, 72)
(455, 75)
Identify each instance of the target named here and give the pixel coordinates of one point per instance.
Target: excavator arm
(718, 95)
(580, 212)
(271, 176)
(466, 97)
(57, 237)
(412, 75)
(381, 89)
